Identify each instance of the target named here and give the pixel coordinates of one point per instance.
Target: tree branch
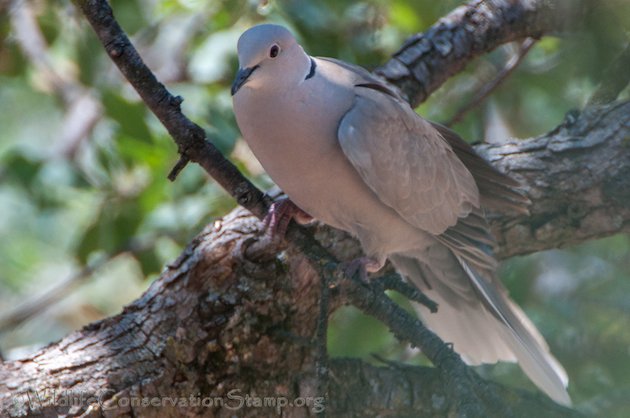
(220, 322)
(491, 86)
(427, 60)
(189, 137)
(577, 176)
(415, 392)
(228, 309)
(225, 315)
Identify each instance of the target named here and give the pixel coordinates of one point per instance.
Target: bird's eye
(274, 51)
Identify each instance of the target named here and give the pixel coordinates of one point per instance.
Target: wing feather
(497, 190)
(406, 162)
(432, 167)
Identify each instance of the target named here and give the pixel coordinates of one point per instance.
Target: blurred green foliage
(69, 200)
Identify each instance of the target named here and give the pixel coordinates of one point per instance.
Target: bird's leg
(280, 214)
(362, 266)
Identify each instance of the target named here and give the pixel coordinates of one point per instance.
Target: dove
(350, 152)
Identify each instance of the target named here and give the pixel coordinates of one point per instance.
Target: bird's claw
(362, 266)
(279, 216)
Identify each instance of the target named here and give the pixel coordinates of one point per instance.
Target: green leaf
(130, 116)
(20, 169)
(149, 262)
(89, 243)
(112, 230)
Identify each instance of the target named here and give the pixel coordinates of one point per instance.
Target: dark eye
(274, 51)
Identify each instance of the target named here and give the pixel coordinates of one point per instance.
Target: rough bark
(231, 318)
(230, 314)
(220, 325)
(428, 59)
(213, 323)
(578, 178)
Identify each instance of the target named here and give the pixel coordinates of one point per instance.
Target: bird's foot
(362, 266)
(279, 216)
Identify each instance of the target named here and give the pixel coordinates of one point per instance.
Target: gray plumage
(350, 152)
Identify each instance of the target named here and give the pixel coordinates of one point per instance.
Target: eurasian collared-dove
(350, 152)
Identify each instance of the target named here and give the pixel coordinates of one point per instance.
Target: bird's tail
(477, 316)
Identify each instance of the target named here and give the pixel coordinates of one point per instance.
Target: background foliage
(83, 165)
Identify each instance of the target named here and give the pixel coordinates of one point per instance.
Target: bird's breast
(294, 136)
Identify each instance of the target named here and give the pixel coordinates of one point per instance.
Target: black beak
(241, 78)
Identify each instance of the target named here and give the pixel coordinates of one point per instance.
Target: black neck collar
(311, 73)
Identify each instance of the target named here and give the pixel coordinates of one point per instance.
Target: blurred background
(88, 218)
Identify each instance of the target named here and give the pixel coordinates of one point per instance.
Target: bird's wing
(496, 189)
(406, 162)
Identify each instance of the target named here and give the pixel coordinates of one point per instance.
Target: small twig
(460, 379)
(387, 362)
(188, 135)
(181, 163)
(615, 78)
(488, 88)
(371, 298)
(395, 282)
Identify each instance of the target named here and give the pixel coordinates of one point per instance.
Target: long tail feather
(529, 347)
(477, 316)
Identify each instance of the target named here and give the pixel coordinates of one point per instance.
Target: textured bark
(219, 326)
(214, 322)
(230, 314)
(428, 59)
(578, 178)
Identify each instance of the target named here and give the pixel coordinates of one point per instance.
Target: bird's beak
(241, 78)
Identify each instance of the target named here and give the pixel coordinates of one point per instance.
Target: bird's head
(267, 55)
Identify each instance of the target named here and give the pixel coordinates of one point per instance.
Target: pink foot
(279, 216)
(362, 266)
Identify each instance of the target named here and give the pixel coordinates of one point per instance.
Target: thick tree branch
(226, 314)
(221, 323)
(227, 308)
(415, 392)
(578, 178)
(428, 59)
